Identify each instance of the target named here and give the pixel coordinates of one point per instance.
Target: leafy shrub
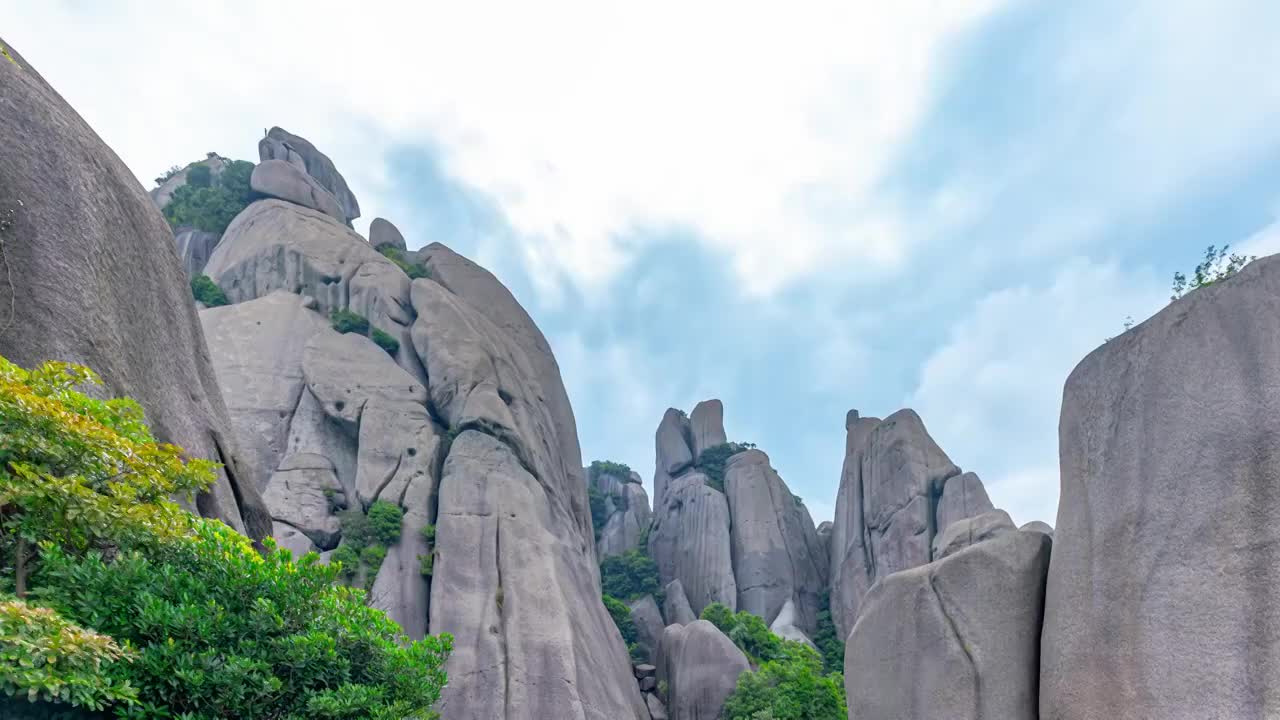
(385, 341)
(622, 471)
(45, 657)
(384, 522)
(346, 321)
(789, 687)
(747, 631)
(712, 461)
(599, 511)
(621, 615)
(426, 564)
(163, 177)
(213, 206)
(349, 557)
(365, 537)
(205, 290)
(720, 615)
(200, 176)
(214, 628)
(628, 576)
(397, 256)
(830, 646)
(1217, 266)
(429, 534)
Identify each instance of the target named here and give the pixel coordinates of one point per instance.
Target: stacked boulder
(740, 537)
(627, 513)
(461, 421)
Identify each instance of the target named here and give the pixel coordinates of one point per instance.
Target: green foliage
(205, 290)
(720, 615)
(45, 657)
(346, 321)
(628, 576)
(200, 176)
(426, 564)
(349, 558)
(213, 206)
(599, 511)
(789, 687)
(429, 534)
(712, 461)
(365, 537)
(1217, 266)
(385, 341)
(384, 522)
(830, 646)
(621, 615)
(173, 170)
(397, 256)
(622, 471)
(185, 612)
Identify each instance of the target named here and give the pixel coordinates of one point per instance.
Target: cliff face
(89, 274)
(459, 419)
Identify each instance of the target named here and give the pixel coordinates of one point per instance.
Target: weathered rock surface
(957, 639)
(777, 556)
(194, 249)
(886, 519)
(284, 146)
(1161, 597)
(1038, 526)
(279, 179)
(657, 711)
(92, 277)
(383, 234)
(786, 626)
(700, 667)
(706, 426)
(649, 626)
(628, 514)
(690, 542)
(675, 606)
(674, 452)
(532, 639)
(302, 493)
(968, 531)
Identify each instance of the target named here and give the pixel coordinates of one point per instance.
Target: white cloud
(583, 119)
(990, 395)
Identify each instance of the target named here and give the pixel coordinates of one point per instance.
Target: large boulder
(281, 145)
(628, 515)
(969, 531)
(675, 605)
(894, 499)
(674, 446)
(383, 234)
(279, 179)
(706, 426)
(531, 637)
(786, 625)
(649, 626)
(1161, 596)
(92, 277)
(303, 493)
(700, 667)
(957, 639)
(690, 542)
(777, 556)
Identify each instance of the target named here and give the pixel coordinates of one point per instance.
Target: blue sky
(938, 205)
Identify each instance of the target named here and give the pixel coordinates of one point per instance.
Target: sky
(799, 208)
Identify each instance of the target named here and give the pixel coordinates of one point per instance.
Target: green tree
(213, 205)
(599, 510)
(830, 646)
(711, 461)
(187, 616)
(720, 615)
(628, 576)
(746, 630)
(621, 615)
(205, 290)
(789, 687)
(1217, 266)
(622, 471)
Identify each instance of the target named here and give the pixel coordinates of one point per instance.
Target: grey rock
(532, 638)
(786, 626)
(490, 298)
(674, 452)
(968, 531)
(645, 670)
(885, 520)
(648, 684)
(292, 539)
(194, 248)
(282, 145)
(279, 179)
(957, 639)
(628, 517)
(675, 606)
(383, 234)
(963, 496)
(1161, 596)
(92, 277)
(1038, 526)
(777, 556)
(701, 668)
(299, 494)
(256, 348)
(657, 711)
(649, 625)
(399, 589)
(825, 528)
(690, 542)
(706, 426)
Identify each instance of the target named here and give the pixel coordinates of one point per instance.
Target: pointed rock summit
(282, 145)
